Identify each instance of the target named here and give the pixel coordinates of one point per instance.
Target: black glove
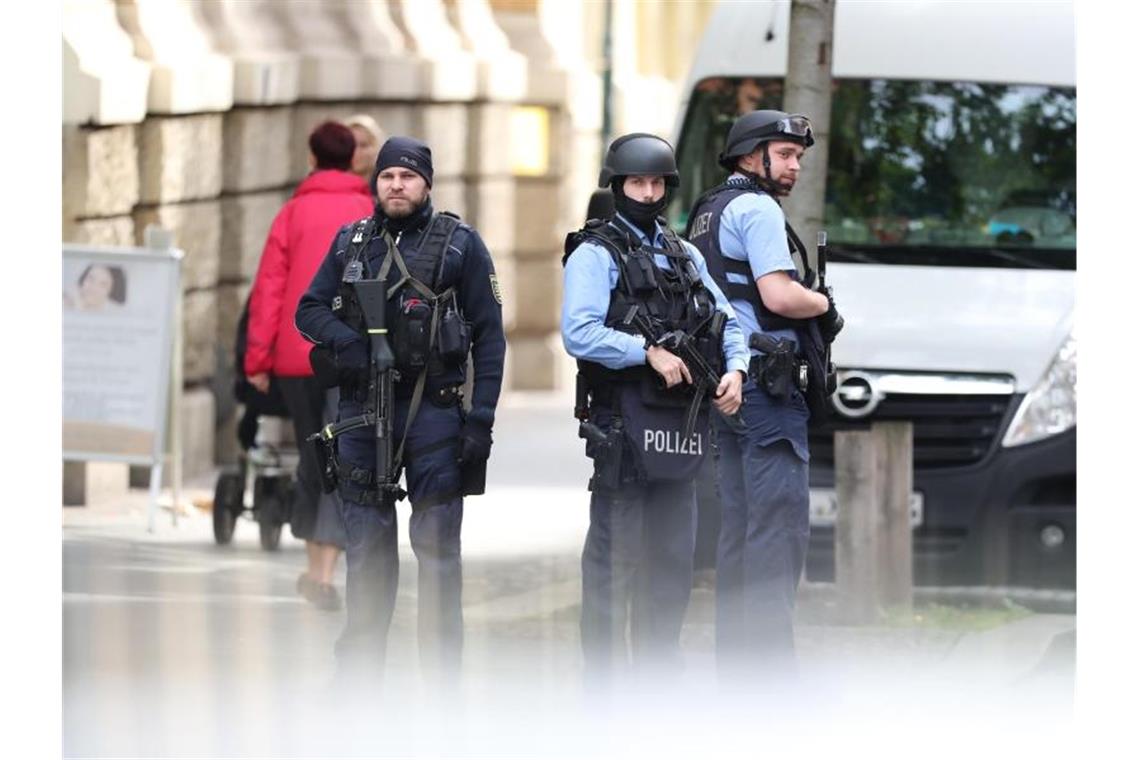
(322, 361)
(830, 322)
(352, 361)
(474, 441)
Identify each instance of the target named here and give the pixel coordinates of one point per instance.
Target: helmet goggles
(795, 127)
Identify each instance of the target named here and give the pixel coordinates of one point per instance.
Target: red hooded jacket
(298, 241)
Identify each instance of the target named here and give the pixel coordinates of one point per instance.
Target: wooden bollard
(873, 552)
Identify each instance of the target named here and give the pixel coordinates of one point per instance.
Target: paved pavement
(174, 646)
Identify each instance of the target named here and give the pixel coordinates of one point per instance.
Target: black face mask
(643, 215)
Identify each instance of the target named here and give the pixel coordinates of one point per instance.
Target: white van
(951, 215)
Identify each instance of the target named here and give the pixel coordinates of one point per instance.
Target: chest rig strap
(427, 265)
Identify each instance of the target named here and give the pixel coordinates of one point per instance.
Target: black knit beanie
(407, 152)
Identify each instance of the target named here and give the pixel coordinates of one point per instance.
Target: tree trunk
(807, 91)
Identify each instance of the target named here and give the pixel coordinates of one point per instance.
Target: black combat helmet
(757, 127)
(639, 154)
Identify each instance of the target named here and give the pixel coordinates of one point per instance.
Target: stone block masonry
(197, 229)
(256, 144)
(100, 171)
(180, 158)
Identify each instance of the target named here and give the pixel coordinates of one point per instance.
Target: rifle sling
(434, 298)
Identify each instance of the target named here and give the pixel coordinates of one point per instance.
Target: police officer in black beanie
(444, 304)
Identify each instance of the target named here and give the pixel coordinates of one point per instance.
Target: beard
(786, 183)
(401, 207)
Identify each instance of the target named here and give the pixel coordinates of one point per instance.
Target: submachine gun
(682, 345)
(372, 297)
(821, 263)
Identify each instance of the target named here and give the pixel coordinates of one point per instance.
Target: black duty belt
(799, 371)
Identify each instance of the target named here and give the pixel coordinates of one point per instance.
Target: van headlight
(1051, 407)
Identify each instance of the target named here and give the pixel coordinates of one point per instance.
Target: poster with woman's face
(116, 344)
(99, 286)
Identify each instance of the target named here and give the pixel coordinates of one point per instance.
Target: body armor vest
(427, 329)
(671, 299)
(703, 231)
(659, 433)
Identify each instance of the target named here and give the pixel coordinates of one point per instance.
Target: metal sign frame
(160, 249)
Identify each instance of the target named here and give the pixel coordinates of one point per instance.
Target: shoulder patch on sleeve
(495, 290)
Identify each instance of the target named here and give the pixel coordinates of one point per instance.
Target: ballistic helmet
(757, 127)
(639, 154)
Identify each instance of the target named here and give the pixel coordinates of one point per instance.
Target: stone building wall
(194, 116)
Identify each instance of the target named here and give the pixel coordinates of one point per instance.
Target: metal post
(157, 238)
(176, 408)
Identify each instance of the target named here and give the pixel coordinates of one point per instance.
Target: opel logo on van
(856, 395)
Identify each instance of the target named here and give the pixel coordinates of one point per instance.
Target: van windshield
(927, 173)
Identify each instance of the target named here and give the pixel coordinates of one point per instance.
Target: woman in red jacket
(330, 197)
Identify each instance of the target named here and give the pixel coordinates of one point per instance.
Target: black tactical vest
(672, 299)
(653, 429)
(426, 327)
(703, 231)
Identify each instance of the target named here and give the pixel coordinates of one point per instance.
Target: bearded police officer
(439, 300)
(762, 467)
(655, 339)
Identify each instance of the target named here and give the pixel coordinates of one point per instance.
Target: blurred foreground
(174, 646)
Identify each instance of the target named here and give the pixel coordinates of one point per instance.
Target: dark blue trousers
(433, 481)
(762, 471)
(637, 568)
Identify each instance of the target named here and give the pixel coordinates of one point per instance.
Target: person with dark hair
(327, 198)
(98, 286)
(438, 289)
(331, 146)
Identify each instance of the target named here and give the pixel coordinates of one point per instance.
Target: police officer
(443, 302)
(762, 468)
(643, 408)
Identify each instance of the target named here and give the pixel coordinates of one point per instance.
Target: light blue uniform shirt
(752, 230)
(591, 274)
